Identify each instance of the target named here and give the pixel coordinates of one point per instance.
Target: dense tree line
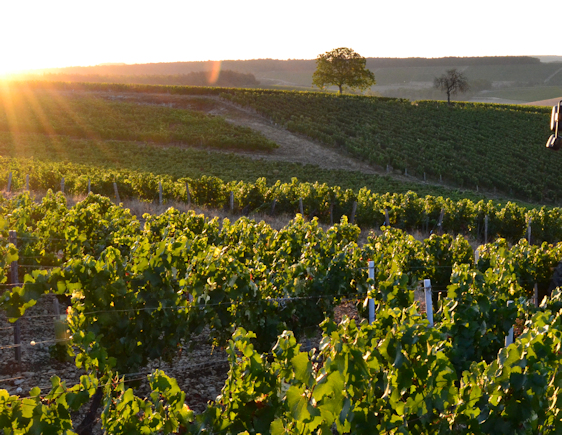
(264, 65)
(451, 61)
(227, 78)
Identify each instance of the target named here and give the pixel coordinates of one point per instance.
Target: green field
(92, 117)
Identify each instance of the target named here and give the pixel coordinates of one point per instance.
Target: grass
(89, 116)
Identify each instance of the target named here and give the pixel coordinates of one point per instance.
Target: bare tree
(451, 82)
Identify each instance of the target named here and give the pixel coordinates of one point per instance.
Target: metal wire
(25, 345)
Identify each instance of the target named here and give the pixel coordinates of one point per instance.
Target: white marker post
(117, 198)
(509, 337)
(188, 194)
(428, 301)
(371, 300)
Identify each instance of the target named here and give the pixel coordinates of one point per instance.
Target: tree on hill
(342, 67)
(451, 82)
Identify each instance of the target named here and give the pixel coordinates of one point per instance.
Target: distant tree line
(226, 78)
(451, 61)
(257, 66)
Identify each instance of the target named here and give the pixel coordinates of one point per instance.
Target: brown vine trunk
(85, 428)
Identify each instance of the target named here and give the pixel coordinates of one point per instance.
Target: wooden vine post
(13, 239)
(188, 194)
(116, 193)
(371, 300)
(353, 211)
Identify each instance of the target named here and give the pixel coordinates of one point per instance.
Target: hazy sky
(37, 34)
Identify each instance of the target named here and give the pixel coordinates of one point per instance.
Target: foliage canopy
(342, 67)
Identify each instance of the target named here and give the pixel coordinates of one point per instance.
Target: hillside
(291, 65)
(469, 145)
(410, 78)
(70, 131)
(426, 143)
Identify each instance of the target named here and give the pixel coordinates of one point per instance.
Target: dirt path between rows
(292, 147)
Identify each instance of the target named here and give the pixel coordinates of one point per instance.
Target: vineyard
(475, 147)
(469, 145)
(479, 220)
(28, 154)
(481, 355)
(100, 141)
(141, 292)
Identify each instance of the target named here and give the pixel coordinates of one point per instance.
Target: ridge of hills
(295, 65)
(505, 79)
